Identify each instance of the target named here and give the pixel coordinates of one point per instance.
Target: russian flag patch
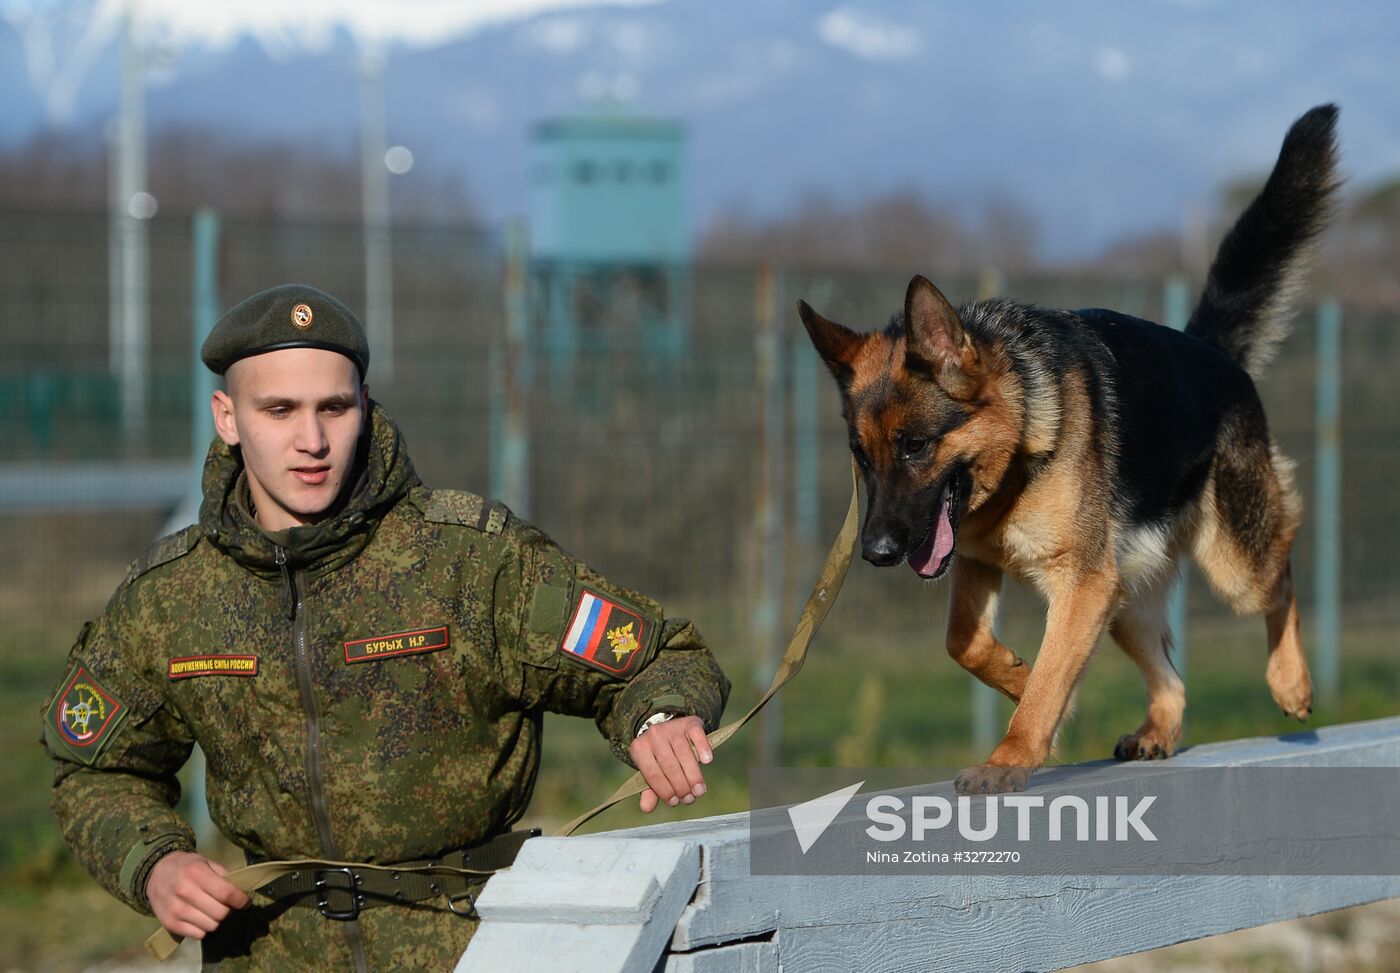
(605, 635)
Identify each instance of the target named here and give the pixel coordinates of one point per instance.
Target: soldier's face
(297, 414)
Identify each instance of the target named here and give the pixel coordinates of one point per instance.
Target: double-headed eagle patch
(605, 635)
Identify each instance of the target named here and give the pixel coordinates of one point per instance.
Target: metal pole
(134, 245)
(806, 441)
(206, 312)
(1328, 503)
(116, 225)
(986, 719)
(806, 498)
(510, 439)
(768, 509)
(374, 186)
(1176, 310)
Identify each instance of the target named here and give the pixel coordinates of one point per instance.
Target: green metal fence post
(202, 384)
(806, 497)
(768, 509)
(510, 432)
(206, 312)
(986, 701)
(1176, 310)
(1327, 504)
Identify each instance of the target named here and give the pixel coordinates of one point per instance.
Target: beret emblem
(282, 317)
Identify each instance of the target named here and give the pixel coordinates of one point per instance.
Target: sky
(62, 40)
(1104, 119)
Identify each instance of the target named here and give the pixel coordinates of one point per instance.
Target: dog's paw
(990, 779)
(1290, 683)
(1296, 703)
(1144, 745)
(1290, 686)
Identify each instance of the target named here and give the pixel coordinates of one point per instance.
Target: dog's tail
(1247, 304)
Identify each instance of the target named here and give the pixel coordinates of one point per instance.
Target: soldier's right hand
(189, 895)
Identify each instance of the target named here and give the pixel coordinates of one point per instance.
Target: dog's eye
(859, 454)
(912, 446)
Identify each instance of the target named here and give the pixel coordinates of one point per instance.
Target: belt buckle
(324, 890)
(466, 911)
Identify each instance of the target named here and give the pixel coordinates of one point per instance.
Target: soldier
(364, 662)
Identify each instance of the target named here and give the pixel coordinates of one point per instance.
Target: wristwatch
(652, 720)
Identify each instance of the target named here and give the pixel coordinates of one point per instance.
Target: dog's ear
(836, 343)
(936, 343)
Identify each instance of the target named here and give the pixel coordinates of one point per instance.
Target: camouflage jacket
(366, 689)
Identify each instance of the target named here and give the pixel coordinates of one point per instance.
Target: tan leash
(162, 943)
(819, 602)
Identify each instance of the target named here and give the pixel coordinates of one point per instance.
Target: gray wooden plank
(738, 958)
(916, 922)
(733, 904)
(1080, 924)
(573, 897)
(599, 934)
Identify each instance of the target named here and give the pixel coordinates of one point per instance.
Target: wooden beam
(586, 904)
(735, 920)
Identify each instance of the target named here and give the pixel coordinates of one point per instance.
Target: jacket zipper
(281, 558)
(314, 783)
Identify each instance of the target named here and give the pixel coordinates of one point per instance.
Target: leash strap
(819, 602)
(162, 944)
(300, 877)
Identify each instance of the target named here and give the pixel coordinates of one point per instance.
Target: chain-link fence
(641, 410)
(672, 425)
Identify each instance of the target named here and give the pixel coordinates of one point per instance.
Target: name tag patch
(403, 643)
(188, 666)
(604, 635)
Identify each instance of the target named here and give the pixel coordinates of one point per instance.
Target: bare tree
(194, 167)
(897, 229)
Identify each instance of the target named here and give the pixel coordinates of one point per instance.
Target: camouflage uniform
(366, 689)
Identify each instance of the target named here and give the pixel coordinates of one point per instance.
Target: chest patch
(604, 635)
(189, 666)
(401, 643)
(85, 714)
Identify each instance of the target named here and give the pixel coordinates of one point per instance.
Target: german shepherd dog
(1085, 452)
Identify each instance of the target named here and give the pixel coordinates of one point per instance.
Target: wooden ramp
(680, 898)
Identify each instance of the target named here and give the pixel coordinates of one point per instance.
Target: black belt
(343, 893)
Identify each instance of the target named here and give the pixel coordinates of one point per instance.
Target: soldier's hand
(189, 895)
(669, 756)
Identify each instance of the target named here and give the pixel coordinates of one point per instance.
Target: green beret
(289, 316)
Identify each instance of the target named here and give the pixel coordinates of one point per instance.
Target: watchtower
(609, 239)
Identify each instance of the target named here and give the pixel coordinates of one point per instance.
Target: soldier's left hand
(669, 756)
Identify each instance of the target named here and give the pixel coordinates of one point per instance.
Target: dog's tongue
(927, 560)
